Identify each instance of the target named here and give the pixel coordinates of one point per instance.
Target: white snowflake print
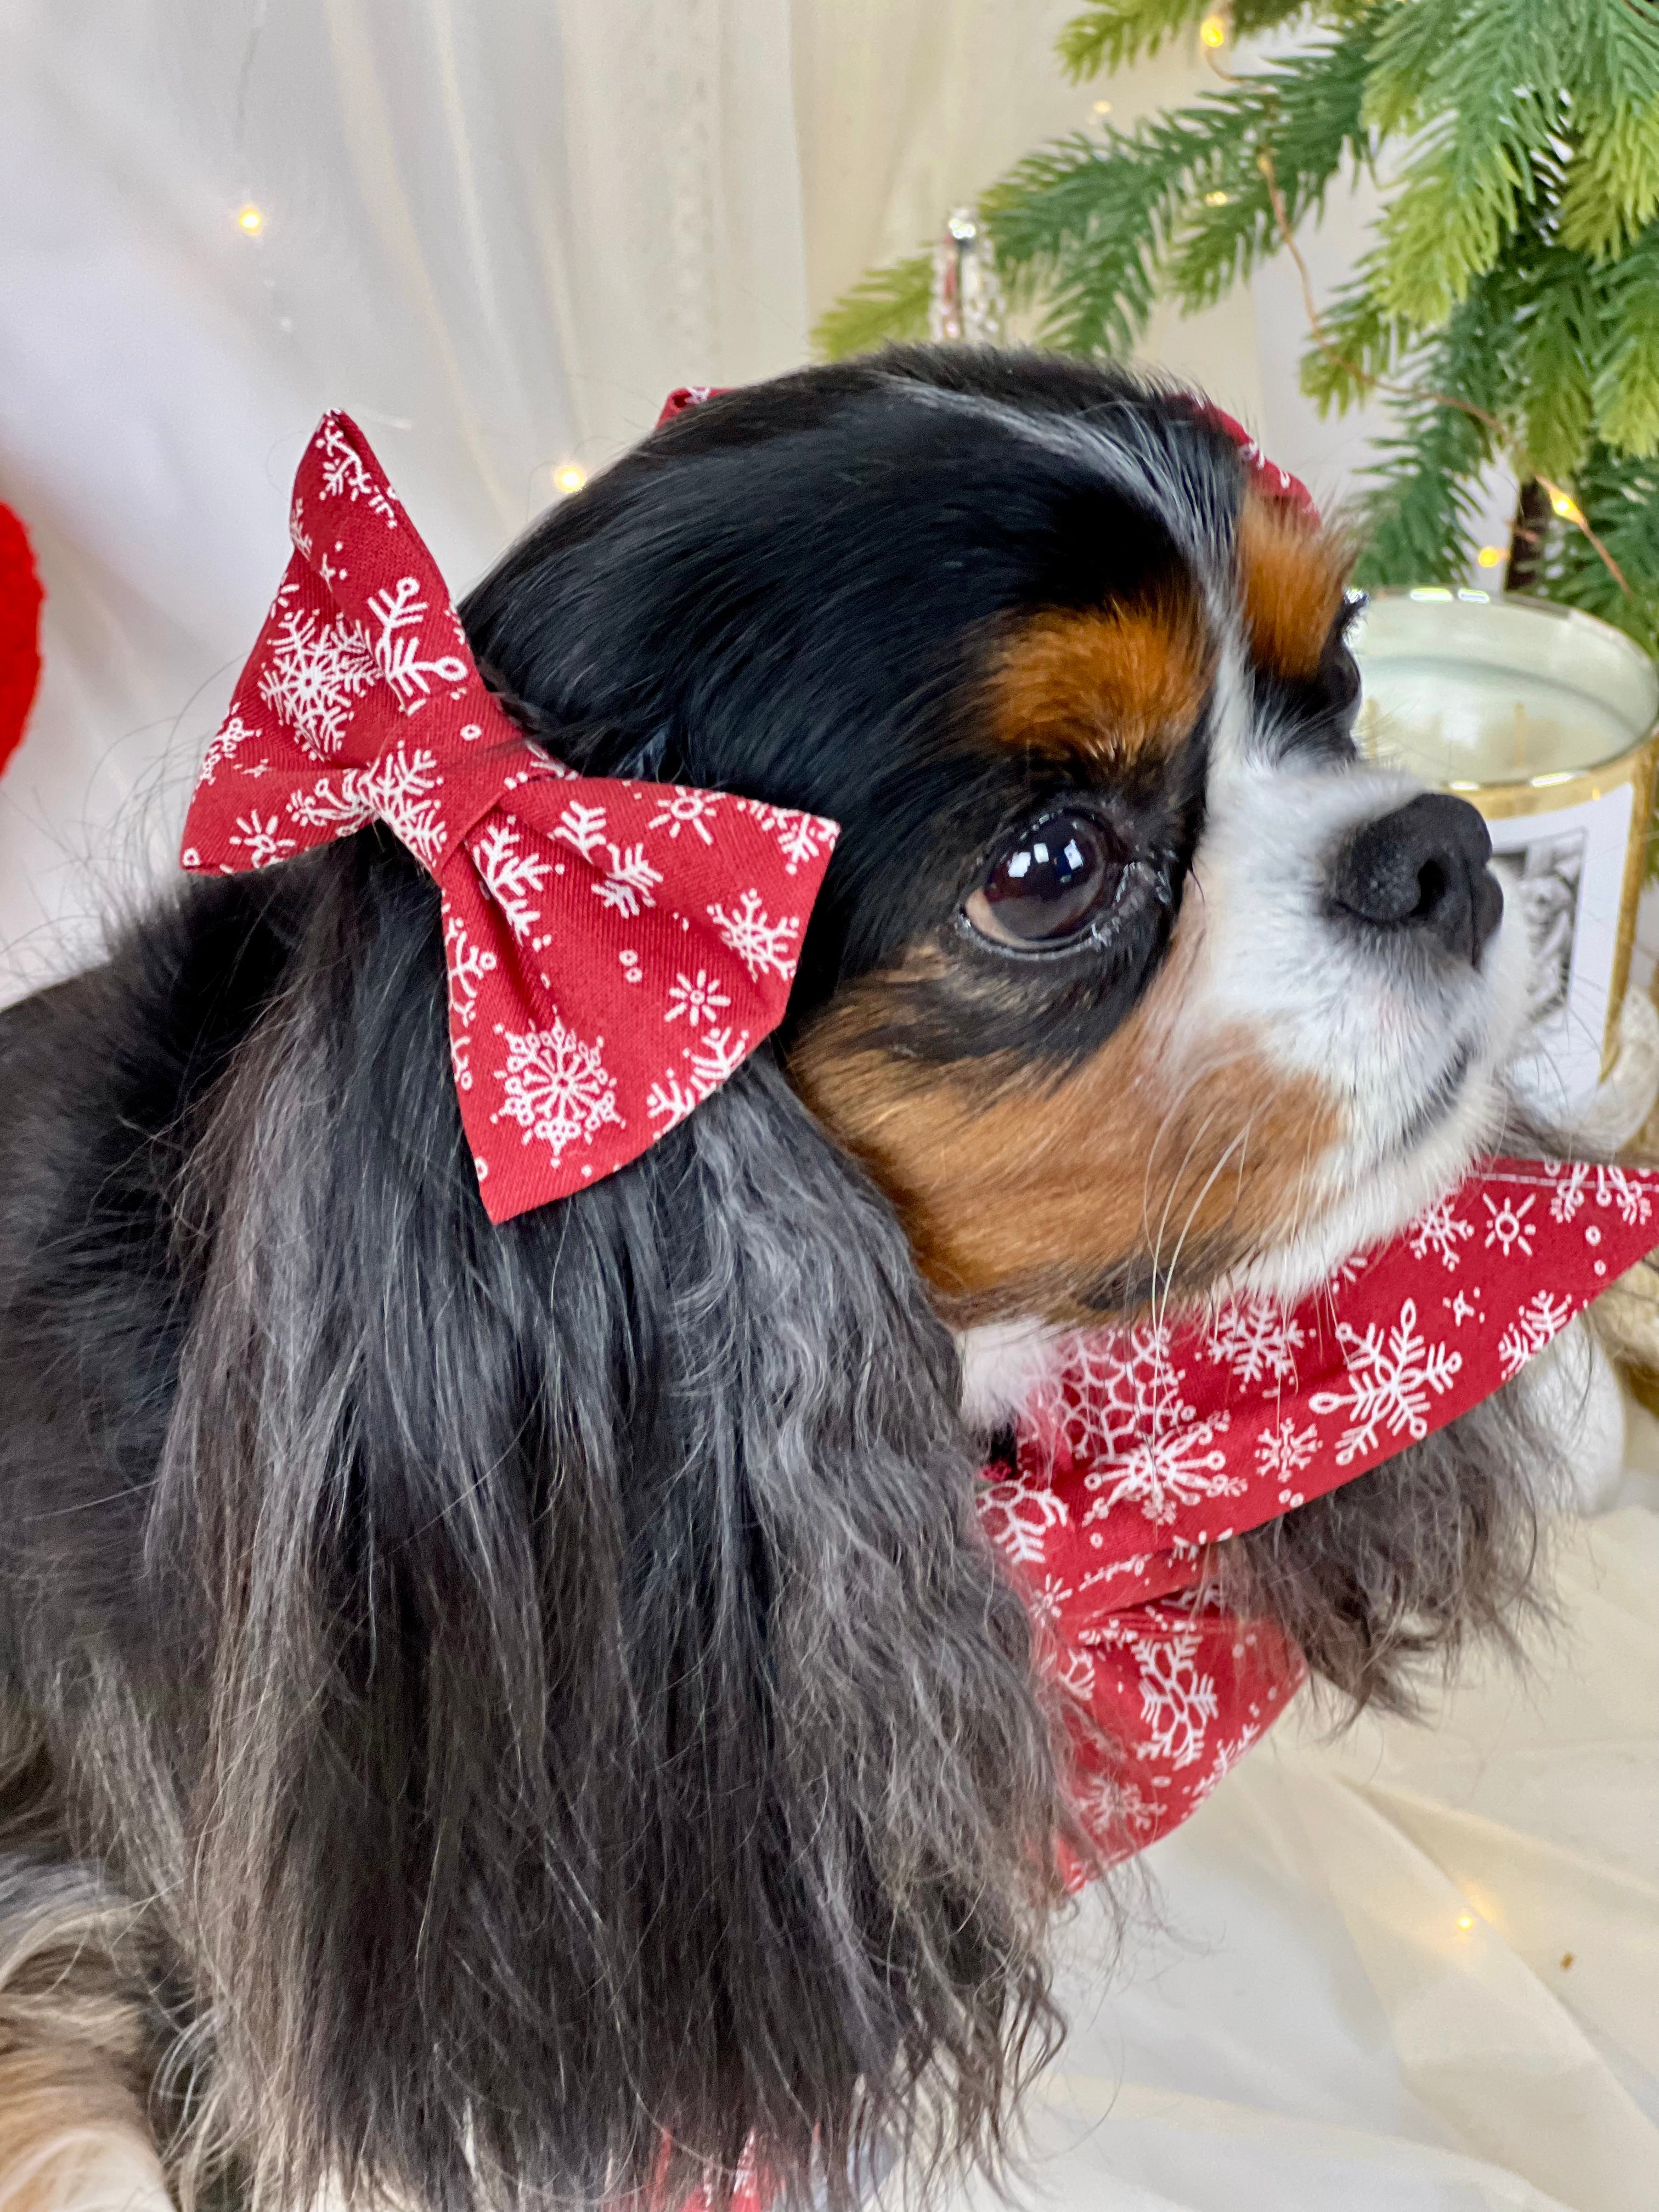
(1508, 1225)
(1439, 1229)
(1542, 1317)
(261, 840)
(1347, 1271)
(1608, 1186)
(1118, 1401)
(315, 673)
(296, 528)
(1117, 1808)
(1017, 1516)
(512, 875)
(1460, 1309)
(400, 612)
(1162, 1474)
(468, 964)
(1177, 1703)
(801, 836)
(346, 475)
(398, 790)
(1254, 1337)
(698, 997)
(717, 1055)
(686, 810)
(228, 742)
(628, 882)
(763, 946)
(557, 1088)
(582, 827)
(1389, 1382)
(1282, 1453)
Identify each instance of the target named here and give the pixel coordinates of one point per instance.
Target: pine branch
(1627, 387)
(1613, 187)
(1363, 343)
(1620, 500)
(1114, 32)
(890, 303)
(1485, 82)
(1561, 338)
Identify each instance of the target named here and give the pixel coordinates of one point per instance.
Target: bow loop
(615, 948)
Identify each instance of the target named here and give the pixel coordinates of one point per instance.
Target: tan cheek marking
(1018, 1196)
(1290, 579)
(1106, 685)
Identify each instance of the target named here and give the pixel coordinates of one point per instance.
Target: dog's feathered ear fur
(619, 1736)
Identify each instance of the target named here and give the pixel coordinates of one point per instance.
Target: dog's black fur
(533, 1703)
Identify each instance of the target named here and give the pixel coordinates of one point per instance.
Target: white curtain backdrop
(498, 230)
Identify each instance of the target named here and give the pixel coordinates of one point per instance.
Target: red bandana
(1154, 1442)
(616, 949)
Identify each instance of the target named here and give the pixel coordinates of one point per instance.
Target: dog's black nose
(1422, 867)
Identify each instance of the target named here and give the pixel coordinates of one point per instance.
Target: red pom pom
(20, 632)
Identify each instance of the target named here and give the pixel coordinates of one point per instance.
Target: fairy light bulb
(1465, 1921)
(1568, 509)
(1490, 556)
(569, 476)
(1103, 108)
(1212, 32)
(1218, 199)
(250, 220)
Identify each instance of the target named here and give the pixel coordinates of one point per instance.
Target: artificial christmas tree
(1508, 308)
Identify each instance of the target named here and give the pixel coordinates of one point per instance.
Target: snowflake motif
(1283, 1452)
(1460, 1309)
(1542, 1317)
(397, 790)
(557, 1088)
(628, 886)
(468, 964)
(227, 741)
(296, 528)
(1113, 1807)
(398, 612)
(1508, 1226)
(762, 945)
(699, 997)
(1609, 1186)
(512, 877)
(718, 1055)
(1253, 1337)
(1161, 1474)
(1388, 1383)
(1438, 1230)
(1017, 1516)
(261, 840)
(1347, 1271)
(686, 810)
(801, 836)
(1177, 1703)
(346, 475)
(582, 827)
(316, 673)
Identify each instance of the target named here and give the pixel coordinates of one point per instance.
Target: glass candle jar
(1544, 718)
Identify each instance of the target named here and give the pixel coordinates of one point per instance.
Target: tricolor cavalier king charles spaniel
(494, 1716)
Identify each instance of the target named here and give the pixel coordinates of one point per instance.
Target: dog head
(1129, 977)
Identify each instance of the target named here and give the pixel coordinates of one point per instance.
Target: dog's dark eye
(1050, 885)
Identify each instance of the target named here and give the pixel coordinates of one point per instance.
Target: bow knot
(615, 948)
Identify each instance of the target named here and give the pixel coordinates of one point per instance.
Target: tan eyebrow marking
(1102, 686)
(1290, 578)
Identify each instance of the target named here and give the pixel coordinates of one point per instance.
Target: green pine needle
(888, 304)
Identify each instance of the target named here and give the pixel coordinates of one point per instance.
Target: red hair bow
(615, 948)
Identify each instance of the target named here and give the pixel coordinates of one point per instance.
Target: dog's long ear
(620, 1737)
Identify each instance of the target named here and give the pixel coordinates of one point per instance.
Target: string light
(1218, 199)
(1103, 108)
(1465, 1921)
(1212, 32)
(250, 219)
(1568, 509)
(569, 476)
(1490, 556)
